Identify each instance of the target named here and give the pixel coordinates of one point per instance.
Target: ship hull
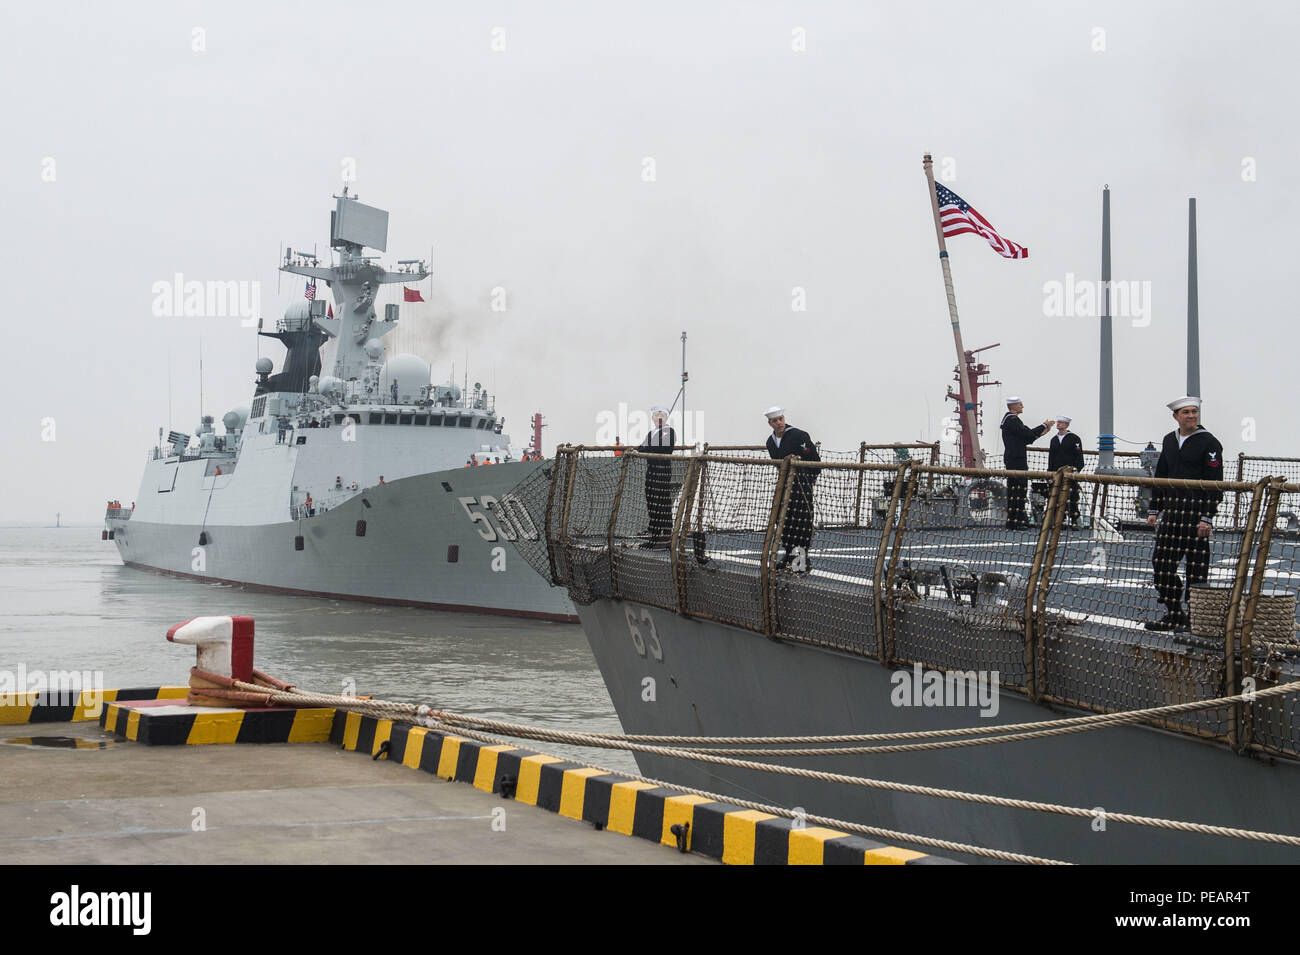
(710, 679)
(423, 546)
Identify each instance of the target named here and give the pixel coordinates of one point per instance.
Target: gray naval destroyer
(920, 612)
(350, 484)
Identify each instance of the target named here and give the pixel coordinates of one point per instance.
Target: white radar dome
(313, 382)
(298, 311)
(374, 348)
(329, 385)
(409, 371)
(264, 365)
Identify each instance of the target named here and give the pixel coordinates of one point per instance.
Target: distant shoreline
(29, 524)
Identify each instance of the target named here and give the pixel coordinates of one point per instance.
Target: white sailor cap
(658, 408)
(775, 411)
(1013, 399)
(1064, 417)
(1184, 402)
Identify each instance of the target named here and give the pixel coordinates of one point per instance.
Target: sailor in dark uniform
(658, 477)
(1186, 517)
(796, 535)
(1016, 437)
(1066, 450)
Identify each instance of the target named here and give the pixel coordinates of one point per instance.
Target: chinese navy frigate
(351, 484)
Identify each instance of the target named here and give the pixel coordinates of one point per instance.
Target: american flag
(310, 293)
(958, 216)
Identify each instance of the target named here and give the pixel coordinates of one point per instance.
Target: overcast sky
(625, 175)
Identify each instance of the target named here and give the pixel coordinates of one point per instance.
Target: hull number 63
(644, 637)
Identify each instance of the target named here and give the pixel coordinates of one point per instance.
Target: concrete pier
(85, 796)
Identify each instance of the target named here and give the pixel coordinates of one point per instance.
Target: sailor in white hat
(658, 478)
(1184, 517)
(1016, 439)
(796, 534)
(1066, 450)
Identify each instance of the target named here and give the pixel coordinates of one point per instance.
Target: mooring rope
(582, 739)
(440, 719)
(1014, 731)
(830, 823)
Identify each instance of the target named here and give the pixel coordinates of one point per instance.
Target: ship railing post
(934, 452)
(1236, 498)
(1268, 493)
(697, 531)
(767, 571)
(681, 521)
(1040, 574)
(552, 538)
(878, 588)
(857, 503)
(575, 457)
(887, 642)
(614, 510)
(1093, 503)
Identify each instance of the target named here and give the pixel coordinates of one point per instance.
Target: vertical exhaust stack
(1106, 394)
(1193, 308)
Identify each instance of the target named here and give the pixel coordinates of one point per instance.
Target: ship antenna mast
(681, 392)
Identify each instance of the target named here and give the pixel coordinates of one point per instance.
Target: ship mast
(1106, 388)
(1193, 311)
(977, 373)
(354, 282)
(969, 422)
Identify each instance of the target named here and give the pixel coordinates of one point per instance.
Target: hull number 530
(512, 520)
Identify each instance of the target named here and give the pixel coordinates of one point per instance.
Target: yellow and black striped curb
(90, 705)
(58, 742)
(633, 807)
(173, 725)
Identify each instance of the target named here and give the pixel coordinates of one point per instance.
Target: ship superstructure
(346, 477)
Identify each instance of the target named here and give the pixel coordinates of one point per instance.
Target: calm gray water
(69, 604)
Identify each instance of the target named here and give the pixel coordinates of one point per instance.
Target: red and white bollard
(225, 654)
